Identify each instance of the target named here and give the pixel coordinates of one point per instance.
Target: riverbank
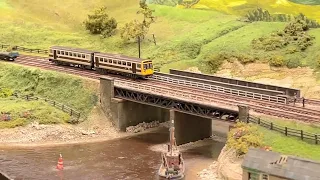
(97, 128)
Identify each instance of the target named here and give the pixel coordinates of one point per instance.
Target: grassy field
(184, 36)
(39, 111)
(74, 92)
(290, 145)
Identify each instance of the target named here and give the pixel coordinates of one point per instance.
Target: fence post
(258, 120)
(301, 134)
(54, 103)
(286, 131)
(27, 97)
(316, 137)
(71, 112)
(62, 107)
(271, 125)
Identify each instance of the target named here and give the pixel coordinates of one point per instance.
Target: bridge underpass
(129, 106)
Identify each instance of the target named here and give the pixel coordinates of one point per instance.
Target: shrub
(100, 23)
(244, 136)
(318, 63)
(4, 92)
(277, 61)
(293, 62)
(245, 58)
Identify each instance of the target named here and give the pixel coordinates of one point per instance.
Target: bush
(212, 62)
(293, 62)
(244, 136)
(100, 23)
(277, 61)
(4, 92)
(245, 58)
(318, 63)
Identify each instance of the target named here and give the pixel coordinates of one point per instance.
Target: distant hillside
(185, 37)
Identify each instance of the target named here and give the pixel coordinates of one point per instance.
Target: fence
(75, 116)
(285, 130)
(20, 48)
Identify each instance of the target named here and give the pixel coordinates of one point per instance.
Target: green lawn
(40, 111)
(307, 2)
(290, 145)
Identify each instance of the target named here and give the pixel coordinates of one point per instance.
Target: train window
(110, 60)
(101, 59)
(67, 53)
(124, 63)
(114, 62)
(79, 55)
(139, 66)
(145, 66)
(105, 60)
(129, 64)
(83, 56)
(97, 59)
(74, 54)
(87, 57)
(119, 62)
(62, 52)
(58, 52)
(150, 66)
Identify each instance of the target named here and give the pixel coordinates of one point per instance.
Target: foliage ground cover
(66, 89)
(23, 112)
(250, 135)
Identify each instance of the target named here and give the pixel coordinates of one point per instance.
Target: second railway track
(264, 107)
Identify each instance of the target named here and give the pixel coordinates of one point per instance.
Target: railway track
(218, 101)
(215, 98)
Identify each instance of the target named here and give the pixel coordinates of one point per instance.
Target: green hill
(184, 36)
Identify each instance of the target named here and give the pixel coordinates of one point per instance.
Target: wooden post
(301, 134)
(271, 125)
(71, 112)
(286, 131)
(259, 120)
(316, 137)
(54, 103)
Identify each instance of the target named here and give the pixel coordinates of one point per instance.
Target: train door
(54, 54)
(134, 68)
(92, 61)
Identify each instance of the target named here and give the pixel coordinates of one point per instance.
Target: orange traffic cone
(60, 163)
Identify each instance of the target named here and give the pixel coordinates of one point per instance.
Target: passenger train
(101, 62)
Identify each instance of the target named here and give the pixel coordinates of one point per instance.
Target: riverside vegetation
(69, 90)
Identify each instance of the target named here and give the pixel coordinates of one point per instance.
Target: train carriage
(124, 65)
(9, 56)
(72, 56)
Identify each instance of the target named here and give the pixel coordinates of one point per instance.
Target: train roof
(119, 56)
(72, 49)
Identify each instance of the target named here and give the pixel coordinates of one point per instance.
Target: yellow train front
(119, 64)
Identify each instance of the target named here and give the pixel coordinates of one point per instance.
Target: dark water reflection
(128, 158)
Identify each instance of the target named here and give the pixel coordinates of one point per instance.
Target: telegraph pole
(139, 46)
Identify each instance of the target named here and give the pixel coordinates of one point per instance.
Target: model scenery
(160, 89)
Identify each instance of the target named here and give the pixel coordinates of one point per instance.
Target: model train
(101, 62)
(8, 56)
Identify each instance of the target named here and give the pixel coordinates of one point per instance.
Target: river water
(131, 158)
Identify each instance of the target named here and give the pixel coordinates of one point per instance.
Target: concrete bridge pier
(125, 113)
(190, 128)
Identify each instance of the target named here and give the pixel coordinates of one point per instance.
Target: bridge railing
(171, 93)
(220, 89)
(303, 135)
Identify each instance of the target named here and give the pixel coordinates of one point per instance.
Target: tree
(135, 29)
(100, 23)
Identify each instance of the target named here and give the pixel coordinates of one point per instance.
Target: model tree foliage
(100, 23)
(135, 28)
(244, 136)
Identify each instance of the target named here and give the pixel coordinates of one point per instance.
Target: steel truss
(178, 105)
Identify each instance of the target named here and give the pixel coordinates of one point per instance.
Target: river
(133, 158)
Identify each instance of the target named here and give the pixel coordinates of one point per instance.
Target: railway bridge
(130, 103)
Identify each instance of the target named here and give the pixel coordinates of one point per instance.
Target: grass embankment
(184, 36)
(291, 145)
(38, 111)
(72, 91)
